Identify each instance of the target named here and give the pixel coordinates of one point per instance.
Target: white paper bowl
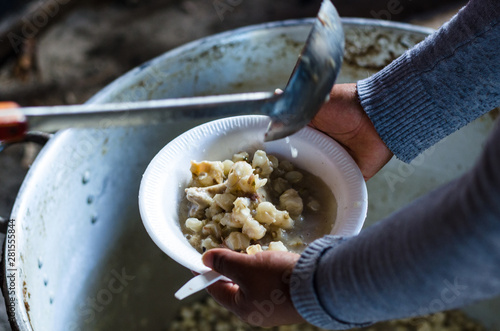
(168, 174)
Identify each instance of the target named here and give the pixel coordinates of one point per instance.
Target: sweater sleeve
(441, 252)
(440, 85)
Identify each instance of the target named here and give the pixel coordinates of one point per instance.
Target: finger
(227, 263)
(225, 294)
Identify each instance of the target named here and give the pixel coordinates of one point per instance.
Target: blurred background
(64, 51)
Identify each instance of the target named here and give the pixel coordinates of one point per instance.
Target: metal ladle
(308, 88)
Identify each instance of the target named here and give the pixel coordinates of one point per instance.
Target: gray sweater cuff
(396, 101)
(302, 286)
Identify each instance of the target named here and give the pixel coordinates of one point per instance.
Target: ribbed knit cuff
(302, 287)
(403, 113)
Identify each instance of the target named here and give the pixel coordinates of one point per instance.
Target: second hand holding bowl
(163, 185)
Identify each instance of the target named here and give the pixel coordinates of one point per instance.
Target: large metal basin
(83, 260)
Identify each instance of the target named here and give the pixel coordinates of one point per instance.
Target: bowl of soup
(220, 185)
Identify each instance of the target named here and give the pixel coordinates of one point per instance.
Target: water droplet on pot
(90, 199)
(40, 263)
(45, 280)
(51, 298)
(86, 177)
(93, 219)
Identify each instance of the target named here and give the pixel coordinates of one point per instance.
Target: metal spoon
(307, 89)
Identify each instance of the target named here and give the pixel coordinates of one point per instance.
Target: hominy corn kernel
(277, 246)
(231, 206)
(194, 224)
(254, 249)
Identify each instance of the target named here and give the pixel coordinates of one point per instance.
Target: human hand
(260, 291)
(343, 119)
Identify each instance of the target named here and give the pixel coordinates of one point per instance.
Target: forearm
(440, 85)
(439, 253)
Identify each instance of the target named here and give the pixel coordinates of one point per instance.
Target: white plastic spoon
(199, 283)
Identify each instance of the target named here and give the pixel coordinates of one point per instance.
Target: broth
(316, 219)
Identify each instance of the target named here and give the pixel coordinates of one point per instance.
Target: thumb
(226, 262)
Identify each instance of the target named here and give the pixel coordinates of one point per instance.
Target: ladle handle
(14, 121)
(13, 124)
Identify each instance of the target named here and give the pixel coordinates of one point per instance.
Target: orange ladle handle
(13, 124)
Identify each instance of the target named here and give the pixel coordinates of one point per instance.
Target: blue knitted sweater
(443, 250)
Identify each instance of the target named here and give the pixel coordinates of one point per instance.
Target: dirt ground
(97, 43)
